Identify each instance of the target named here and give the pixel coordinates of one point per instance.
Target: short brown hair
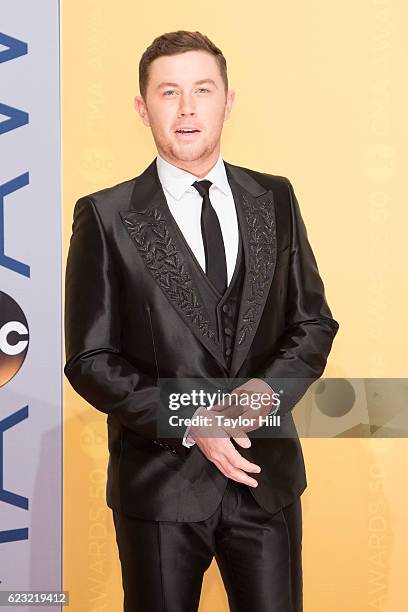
(173, 43)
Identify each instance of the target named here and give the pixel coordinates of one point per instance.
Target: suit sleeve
(310, 329)
(94, 366)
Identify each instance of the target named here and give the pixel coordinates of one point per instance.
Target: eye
(169, 91)
(203, 89)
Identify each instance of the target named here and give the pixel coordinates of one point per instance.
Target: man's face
(186, 91)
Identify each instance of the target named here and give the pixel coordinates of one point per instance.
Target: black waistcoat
(223, 308)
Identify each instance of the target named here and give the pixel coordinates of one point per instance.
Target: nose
(186, 105)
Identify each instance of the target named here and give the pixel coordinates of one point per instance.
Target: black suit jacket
(134, 314)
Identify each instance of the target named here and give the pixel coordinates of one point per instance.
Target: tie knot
(203, 187)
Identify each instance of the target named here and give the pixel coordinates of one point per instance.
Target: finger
(239, 436)
(238, 461)
(228, 450)
(222, 463)
(231, 471)
(237, 474)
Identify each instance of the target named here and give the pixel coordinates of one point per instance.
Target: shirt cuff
(187, 441)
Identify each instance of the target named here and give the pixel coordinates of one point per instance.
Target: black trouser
(259, 556)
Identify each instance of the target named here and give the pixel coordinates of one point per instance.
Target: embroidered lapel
(152, 229)
(256, 211)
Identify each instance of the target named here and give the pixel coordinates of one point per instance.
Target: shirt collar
(177, 181)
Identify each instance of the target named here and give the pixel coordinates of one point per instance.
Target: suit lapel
(152, 228)
(153, 231)
(257, 220)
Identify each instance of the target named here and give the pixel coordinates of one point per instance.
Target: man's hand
(214, 442)
(252, 400)
(256, 399)
(213, 439)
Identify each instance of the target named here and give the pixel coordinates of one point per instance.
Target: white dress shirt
(185, 205)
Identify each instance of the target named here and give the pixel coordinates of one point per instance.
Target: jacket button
(225, 308)
(228, 351)
(228, 331)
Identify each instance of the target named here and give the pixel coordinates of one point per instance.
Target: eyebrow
(200, 82)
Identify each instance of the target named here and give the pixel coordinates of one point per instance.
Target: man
(197, 269)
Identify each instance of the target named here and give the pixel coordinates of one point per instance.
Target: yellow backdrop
(321, 98)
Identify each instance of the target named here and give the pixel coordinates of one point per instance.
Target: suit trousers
(259, 556)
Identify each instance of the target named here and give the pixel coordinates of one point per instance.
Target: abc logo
(13, 338)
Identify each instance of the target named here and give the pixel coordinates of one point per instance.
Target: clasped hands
(213, 438)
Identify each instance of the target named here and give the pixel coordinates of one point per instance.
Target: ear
(141, 108)
(229, 103)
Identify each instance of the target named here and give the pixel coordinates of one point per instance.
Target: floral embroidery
(261, 226)
(161, 256)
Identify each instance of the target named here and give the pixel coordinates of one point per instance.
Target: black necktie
(215, 263)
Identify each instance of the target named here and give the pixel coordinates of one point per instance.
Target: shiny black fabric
(259, 556)
(223, 306)
(137, 308)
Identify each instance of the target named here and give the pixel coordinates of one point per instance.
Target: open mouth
(187, 132)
